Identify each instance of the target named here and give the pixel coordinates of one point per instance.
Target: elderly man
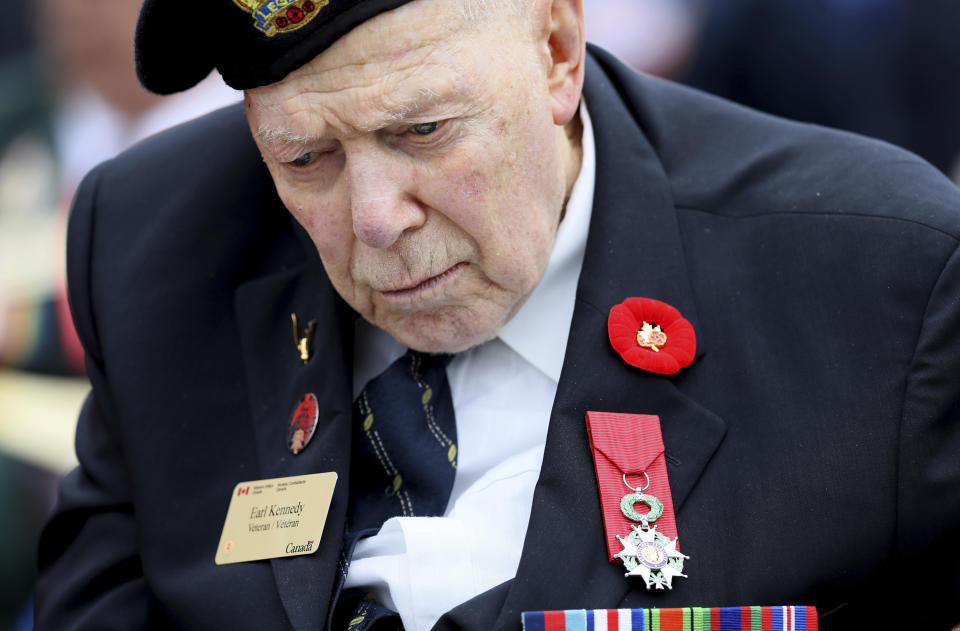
(652, 298)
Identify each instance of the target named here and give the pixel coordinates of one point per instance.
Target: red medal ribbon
(629, 444)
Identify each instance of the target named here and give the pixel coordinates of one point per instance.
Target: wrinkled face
(422, 157)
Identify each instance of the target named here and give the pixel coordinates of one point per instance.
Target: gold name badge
(282, 517)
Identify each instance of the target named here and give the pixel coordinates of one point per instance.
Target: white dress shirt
(503, 393)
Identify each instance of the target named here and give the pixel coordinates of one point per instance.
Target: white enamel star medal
(646, 552)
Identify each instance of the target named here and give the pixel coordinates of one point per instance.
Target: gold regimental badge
(281, 16)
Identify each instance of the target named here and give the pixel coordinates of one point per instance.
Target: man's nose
(381, 204)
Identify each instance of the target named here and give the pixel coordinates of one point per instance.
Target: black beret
(251, 42)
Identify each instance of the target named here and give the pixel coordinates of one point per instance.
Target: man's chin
(440, 334)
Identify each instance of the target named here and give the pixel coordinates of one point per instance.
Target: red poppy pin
(651, 335)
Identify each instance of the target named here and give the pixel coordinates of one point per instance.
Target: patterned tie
(404, 443)
(403, 463)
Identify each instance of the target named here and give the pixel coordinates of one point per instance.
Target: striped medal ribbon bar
(679, 619)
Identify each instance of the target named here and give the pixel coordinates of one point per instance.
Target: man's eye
(304, 160)
(424, 129)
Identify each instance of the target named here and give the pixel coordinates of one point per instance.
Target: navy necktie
(404, 443)
(402, 463)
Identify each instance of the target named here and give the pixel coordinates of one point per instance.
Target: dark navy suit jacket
(813, 446)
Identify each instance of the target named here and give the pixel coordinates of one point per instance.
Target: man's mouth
(424, 287)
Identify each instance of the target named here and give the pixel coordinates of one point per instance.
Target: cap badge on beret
(281, 16)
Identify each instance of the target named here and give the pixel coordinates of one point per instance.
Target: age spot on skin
(474, 185)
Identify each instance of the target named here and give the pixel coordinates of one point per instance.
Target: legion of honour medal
(646, 552)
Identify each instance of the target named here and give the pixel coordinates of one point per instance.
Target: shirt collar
(538, 332)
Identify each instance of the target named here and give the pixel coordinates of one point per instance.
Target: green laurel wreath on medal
(647, 553)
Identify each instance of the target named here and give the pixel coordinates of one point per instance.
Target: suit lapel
(276, 379)
(634, 249)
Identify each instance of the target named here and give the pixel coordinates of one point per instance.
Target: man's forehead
(417, 26)
(417, 72)
(378, 74)
(280, 127)
(393, 44)
(362, 101)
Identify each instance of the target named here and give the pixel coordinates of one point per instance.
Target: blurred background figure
(657, 37)
(69, 99)
(884, 68)
(73, 102)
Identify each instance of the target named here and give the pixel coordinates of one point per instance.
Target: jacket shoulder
(727, 159)
(208, 153)
(197, 192)
(189, 212)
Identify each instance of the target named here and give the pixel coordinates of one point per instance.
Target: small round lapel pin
(303, 423)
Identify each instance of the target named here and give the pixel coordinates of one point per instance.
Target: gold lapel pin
(304, 342)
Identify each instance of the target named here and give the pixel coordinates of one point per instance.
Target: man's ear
(567, 45)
